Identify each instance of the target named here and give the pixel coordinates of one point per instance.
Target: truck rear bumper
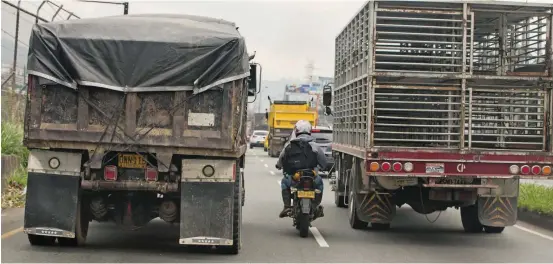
(51, 204)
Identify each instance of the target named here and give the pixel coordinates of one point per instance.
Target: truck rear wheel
(354, 221)
(236, 219)
(340, 200)
(37, 240)
(469, 218)
(81, 229)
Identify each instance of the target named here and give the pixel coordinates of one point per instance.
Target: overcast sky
(285, 34)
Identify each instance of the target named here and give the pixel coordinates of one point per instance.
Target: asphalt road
(266, 238)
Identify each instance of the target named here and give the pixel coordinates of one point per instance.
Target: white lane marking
(272, 172)
(278, 182)
(534, 232)
(261, 160)
(316, 234)
(266, 166)
(318, 237)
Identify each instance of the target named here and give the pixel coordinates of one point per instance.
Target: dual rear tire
(471, 223)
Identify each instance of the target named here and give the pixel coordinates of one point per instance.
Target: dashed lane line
(272, 172)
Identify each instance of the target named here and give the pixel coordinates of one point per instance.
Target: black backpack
(298, 155)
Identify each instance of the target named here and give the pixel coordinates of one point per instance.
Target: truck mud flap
(376, 207)
(497, 211)
(206, 213)
(51, 204)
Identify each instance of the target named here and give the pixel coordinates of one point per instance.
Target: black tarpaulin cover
(139, 53)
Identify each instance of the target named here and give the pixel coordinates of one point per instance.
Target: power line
(7, 33)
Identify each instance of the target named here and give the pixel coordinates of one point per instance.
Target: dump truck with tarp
(442, 104)
(136, 117)
(282, 118)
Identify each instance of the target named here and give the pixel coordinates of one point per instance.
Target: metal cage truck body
(133, 118)
(441, 104)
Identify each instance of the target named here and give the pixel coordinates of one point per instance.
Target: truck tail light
(397, 167)
(546, 170)
(110, 173)
(525, 169)
(151, 174)
(536, 170)
(408, 167)
(386, 166)
(374, 166)
(514, 169)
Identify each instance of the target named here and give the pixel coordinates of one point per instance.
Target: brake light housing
(546, 170)
(110, 173)
(386, 166)
(525, 169)
(397, 167)
(536, 169)
(151, 174)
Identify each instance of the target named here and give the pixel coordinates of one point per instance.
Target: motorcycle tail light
(110, 173)
(536, 170)
(307, 185)
(151, 174)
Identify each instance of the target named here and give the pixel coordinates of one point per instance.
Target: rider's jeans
(286, 182)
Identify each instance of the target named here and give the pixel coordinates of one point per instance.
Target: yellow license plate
(132, 161)
(306, 194)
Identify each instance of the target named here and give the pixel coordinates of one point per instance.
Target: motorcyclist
(302, 131)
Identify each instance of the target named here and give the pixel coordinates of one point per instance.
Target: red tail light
(307, 185)
(110, 173)
(397, 167)
(386, 166)
(536, 170)
(151, 174)
(525, 169)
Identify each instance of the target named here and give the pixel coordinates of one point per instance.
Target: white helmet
(302, 127)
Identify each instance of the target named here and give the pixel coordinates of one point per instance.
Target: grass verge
(12, 144)
(536, 198)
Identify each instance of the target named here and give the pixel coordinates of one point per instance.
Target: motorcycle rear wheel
(303, 223)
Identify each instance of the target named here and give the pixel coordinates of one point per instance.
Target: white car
(258, 138)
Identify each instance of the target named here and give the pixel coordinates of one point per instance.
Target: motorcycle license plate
(306, 194)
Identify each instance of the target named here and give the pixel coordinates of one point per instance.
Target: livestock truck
(282, 117)
(133, 118)
(441, 104)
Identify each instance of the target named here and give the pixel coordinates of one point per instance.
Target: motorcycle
(304, 208)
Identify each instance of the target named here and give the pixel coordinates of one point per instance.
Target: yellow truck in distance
(282, 117)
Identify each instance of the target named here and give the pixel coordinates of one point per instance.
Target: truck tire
(339, 200)
(243, 189)
(380, 226)
(354, 221)
(237, 221)
(36, 240)
(494, 229)
(81, 229)
(469, 218)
